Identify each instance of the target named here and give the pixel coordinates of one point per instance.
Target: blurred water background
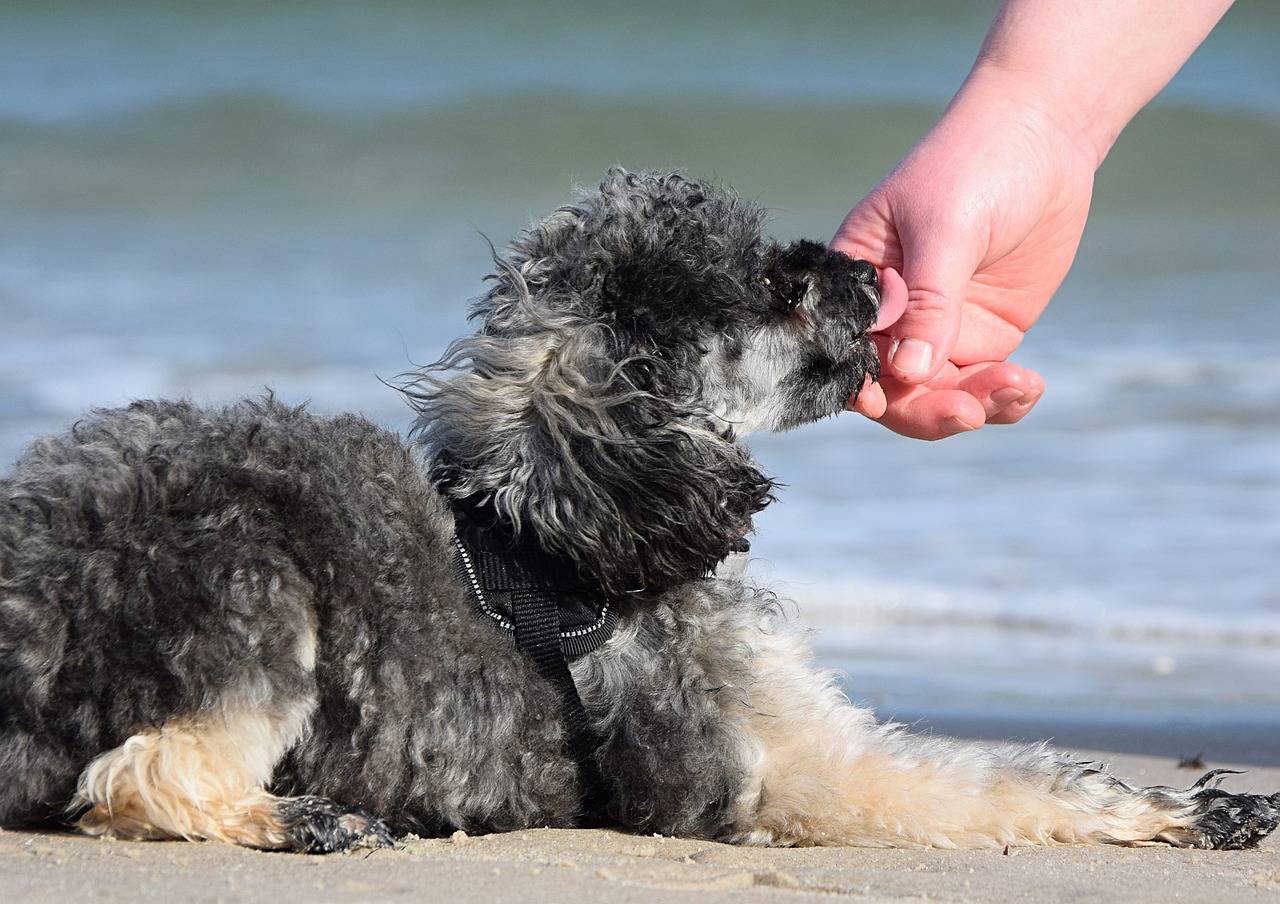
(205, 199)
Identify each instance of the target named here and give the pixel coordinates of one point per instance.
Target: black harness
(554, 616)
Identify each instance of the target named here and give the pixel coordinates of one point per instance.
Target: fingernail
(954, 425)
(911, 356)
(1006, 395)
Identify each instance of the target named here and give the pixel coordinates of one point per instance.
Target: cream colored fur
(195, 779)
(825, 773)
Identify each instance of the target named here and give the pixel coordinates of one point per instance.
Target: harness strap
(537, 622)
(533, 583)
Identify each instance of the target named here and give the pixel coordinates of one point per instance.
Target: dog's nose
(865, 273)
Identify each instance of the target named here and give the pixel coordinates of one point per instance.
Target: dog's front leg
(827, 773)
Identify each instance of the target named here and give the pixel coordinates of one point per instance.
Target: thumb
(867, 232)
(937, 272)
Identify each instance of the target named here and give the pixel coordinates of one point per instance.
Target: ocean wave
(1066, 617)
(209, 158)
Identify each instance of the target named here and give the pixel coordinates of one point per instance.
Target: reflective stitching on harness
(475, 586)
(497, 616)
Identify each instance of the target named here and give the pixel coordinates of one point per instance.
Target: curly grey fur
(162, 558)
(165, 563)
(618, 335)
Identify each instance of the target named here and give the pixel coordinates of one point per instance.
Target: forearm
(1087, 65)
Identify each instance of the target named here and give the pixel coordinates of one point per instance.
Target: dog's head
(627, 342)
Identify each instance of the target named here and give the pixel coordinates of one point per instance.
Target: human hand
(974, 231)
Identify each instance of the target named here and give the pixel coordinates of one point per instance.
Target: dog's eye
(789, 293)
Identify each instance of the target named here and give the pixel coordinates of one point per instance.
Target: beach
(541, 866)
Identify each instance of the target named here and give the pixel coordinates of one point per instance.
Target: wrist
(1066, 116)
(1090, 67)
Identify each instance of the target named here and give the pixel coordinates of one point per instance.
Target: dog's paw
(316, 825)
(1230, 822)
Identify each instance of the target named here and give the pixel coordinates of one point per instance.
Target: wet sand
(542, 866)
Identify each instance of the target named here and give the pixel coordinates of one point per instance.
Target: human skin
(976, 227)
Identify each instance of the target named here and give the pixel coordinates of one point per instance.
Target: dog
(260, 626)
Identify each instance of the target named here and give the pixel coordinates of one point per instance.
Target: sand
(546, 865)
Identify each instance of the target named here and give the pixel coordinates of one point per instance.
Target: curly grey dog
(248, 623)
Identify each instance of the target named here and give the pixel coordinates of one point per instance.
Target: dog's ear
(601, 455)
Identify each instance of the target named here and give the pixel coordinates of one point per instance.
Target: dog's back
(164, 561)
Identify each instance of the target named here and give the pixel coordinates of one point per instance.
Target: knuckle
(929, 302)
